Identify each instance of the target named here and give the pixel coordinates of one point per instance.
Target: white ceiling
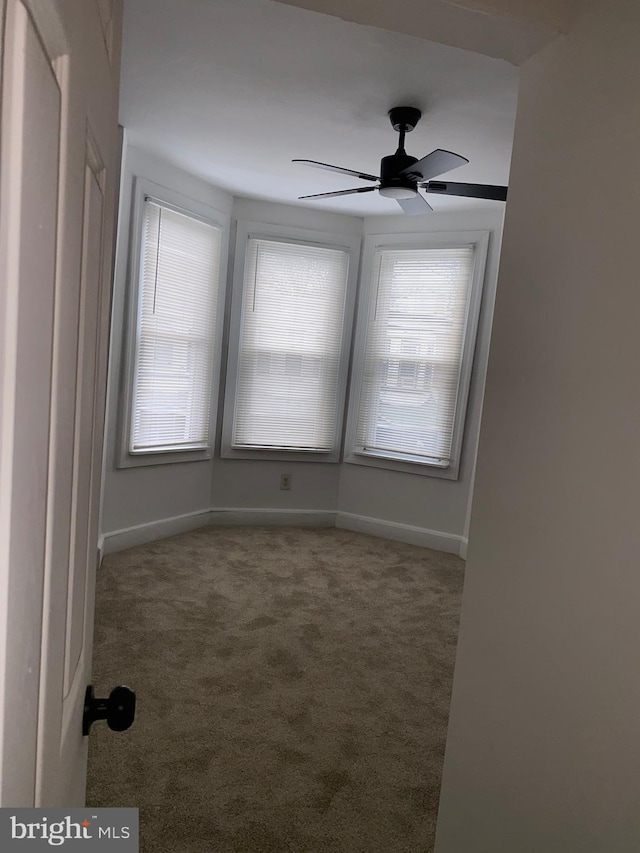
(233, 90)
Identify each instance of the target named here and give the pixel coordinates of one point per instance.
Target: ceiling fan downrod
(403, 130)
(404, 119)
(393, 183)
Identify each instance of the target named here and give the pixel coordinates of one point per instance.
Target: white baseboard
(400, 532)
(239, 516)
(464, 544)
(129, 537)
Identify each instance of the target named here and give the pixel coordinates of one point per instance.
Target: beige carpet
(293, 690)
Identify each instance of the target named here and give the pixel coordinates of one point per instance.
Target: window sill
(370, 460)
(164, 457)
(266, 454)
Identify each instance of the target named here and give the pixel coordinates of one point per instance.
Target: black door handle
(118, 710)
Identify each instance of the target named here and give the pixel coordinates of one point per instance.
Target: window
(288, 347)
(174, 351)
(412, 362)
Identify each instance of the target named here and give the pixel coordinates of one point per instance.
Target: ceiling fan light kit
(401, 175)
(398, 192)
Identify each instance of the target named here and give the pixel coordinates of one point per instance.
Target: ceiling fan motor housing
(390, 168)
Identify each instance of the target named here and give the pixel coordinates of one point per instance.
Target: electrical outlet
(285, 482)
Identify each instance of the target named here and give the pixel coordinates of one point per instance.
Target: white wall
(143, 496)
(543, 751)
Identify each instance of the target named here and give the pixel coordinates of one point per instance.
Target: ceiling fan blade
(414, 206)
(436, 163)
(341, 192)
(490, 191)
(329, 168)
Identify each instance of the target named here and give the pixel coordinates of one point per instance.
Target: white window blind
(413, 353)
(180, 269)
(290, 346)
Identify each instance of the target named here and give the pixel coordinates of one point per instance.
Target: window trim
(246, 230)
(143, 189)
(366, 304)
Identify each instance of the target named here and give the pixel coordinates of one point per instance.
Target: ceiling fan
(401, 175)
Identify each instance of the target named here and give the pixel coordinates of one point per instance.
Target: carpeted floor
(293, 690)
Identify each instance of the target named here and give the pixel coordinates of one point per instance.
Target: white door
(58, 179)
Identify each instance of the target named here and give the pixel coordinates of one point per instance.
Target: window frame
(247, 230)
(144, 189)
(366, 305)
